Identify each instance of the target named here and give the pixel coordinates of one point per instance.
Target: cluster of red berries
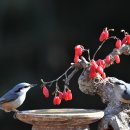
(109, 58)
(65, 95)
(105, 35)
(97, 67)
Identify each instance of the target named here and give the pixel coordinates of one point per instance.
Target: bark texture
(116, 114)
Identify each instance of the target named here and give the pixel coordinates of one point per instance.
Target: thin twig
(70, 76)
(112, 37)
(87, 50)
(56, 80)
(84, 60)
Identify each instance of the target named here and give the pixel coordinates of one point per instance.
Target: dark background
(37, 40)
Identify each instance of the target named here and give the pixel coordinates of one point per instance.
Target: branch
(125, 49)
(70, 76)
(56, 80)
(112, 37)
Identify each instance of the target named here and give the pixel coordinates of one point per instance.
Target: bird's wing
(8, 97)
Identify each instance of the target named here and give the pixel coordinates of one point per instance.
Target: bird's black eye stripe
(26, 86)
(18, 90)
(118, 83)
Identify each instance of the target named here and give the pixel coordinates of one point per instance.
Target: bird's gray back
(12, 94)
(9, 96)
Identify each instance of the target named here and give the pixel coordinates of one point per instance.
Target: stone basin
(60, 119)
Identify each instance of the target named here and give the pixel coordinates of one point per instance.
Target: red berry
(69, 94)
(124, 41)
(103, 75)
(118, 44)
(92, 68)
(92, 74)
(100, 70)
(61, 95)
(45, 91)
(56, 100)
(104, 35)
(65, 96)
(78, 50)
(128, 39)
(94, 64)
(98, 61)
(117, 59)
(108, 59)
(76, 59)
(101, 63)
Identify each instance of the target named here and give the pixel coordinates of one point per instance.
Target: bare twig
(70, 76)
(112, 37)
(56, 80)
(88, 51)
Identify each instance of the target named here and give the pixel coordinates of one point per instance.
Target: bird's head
(23, 87)
(122, 90)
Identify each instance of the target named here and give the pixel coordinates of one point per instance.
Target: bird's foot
(15, 112)
(14, 116)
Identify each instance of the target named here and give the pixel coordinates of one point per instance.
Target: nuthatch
(122, 91)
(15, 97)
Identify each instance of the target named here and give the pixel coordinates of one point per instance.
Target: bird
(15, 97)
(122, 91)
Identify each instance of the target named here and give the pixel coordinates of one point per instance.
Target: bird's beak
(33, 85)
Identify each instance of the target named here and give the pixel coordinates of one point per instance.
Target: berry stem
(88, 51)
(112, 37)
(125, 33)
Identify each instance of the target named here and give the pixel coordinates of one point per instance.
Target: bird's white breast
(19, 101)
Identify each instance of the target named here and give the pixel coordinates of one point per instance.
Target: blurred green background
(37, 40)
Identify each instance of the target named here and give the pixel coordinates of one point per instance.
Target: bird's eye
(26, 86)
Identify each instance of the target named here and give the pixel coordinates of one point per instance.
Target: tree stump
(117, 113)
(60, 119)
